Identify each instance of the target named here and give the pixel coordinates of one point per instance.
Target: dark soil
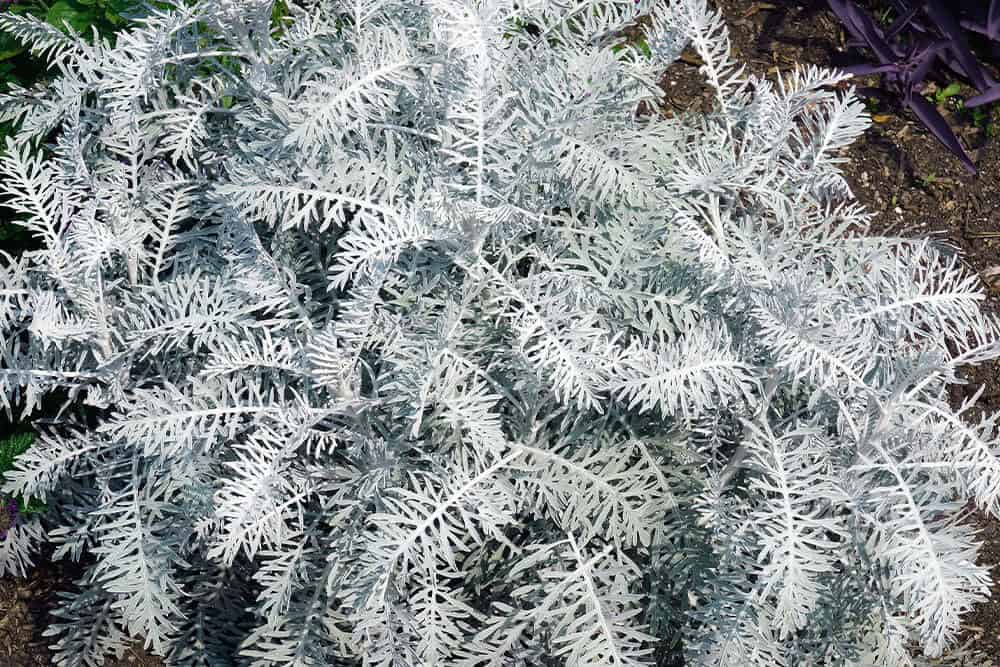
(908, 181)
(25, 604)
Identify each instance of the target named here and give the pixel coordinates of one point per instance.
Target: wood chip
(758, 7)
(691, 58)
(991, 279)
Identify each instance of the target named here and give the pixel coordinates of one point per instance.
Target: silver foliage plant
(400, 334)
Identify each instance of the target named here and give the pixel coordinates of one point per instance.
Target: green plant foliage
(82, 16)
(951, 90)
(9, 232)
(18, 67)
(30, 507)
(13, 446)
(10, 448)
(639, 44)
(279, 17)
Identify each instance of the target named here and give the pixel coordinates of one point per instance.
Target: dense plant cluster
(10, 448)
(405, 340)
(20, 69)
(927, 38)
(16, 516)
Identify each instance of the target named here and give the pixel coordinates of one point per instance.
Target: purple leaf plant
(927, 37)
(12, 513)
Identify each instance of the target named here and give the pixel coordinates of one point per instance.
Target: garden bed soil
(908, 181)
(25, 604)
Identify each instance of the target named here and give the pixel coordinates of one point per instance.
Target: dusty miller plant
(402, 334)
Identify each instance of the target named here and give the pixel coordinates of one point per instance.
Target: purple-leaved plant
(12, 513)
(927, 37)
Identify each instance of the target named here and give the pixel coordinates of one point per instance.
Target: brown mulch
(912, 185)
(25, 604)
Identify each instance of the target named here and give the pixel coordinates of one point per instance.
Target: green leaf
(78, 16)
(9, 232)
(951, 90)
(10, 47)
(33, 506)
(278, 12)
(639, 45)
(12, 447)
(643, 47)
(114, 10)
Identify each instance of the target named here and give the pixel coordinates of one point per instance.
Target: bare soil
(25, 604)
